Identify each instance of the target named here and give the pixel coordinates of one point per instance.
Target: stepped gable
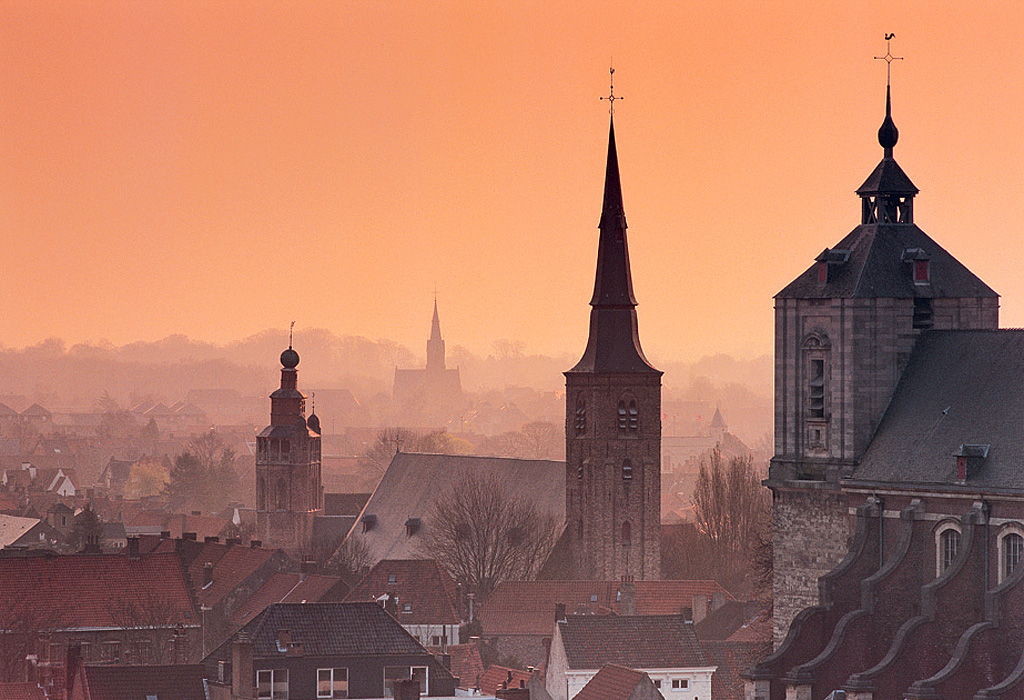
(960, 387)
(647, 641)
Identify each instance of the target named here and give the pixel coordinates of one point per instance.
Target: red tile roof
(612, 682)
(283, 588)
(496, 676)
(232, 564)
(466, 664)
(95, 590)
(421, 584)
(131, 682)
(528, 607)
(21, 691)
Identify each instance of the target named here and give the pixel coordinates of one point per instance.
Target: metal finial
(435, 292)
(888, 58)
(611, 92)
(291, 331)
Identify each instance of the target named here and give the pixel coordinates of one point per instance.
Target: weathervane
(888, 58)
(291, 330)
(611, 92)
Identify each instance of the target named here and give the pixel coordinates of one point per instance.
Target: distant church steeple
(435, 345)
(613, 420)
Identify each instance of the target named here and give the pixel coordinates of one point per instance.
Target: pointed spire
(435, 345)
(888, 134)
(614, 284)
(435, 324)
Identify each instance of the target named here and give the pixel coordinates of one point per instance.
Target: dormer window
(392, 578)
(920, 264)
(369, 522)
(829, 262)
(412, 526)
(969, 459)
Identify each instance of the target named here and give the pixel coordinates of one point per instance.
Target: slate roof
(612, 682)
(420, 583)
(959, 387)
(100, 585)
(140, 682)
(875, 269)
(283, 587)
(413, 483)
(528, 607)
(344, 503)
(636, 641)
(331, 629)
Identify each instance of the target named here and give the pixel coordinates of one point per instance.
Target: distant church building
(613, 421)
(431, 396)
(289, 493)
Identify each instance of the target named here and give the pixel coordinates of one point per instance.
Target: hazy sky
(217, 168)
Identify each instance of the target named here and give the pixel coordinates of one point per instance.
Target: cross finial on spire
(888, 58)
(291, 331)
(611, 91)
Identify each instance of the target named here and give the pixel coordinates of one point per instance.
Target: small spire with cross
(888, 57)
(611, 92)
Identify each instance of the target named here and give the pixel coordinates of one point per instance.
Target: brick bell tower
(613, 421)
(289, 494)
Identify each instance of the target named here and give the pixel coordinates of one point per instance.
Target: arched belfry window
(816, 351)
(947, 546)
(623, 416)
(1011, 552)
(581, 417)
(627, 533)
(627, 470)
(634, 416)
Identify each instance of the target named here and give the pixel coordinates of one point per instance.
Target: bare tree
(388, 443)
(351, 560)
(23, 628)
(484, 535)
(148, 625)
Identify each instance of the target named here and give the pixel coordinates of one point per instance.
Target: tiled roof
(12, 528)
(283, 588)
(959, 387)
(232, 564)
(496, 676)
(636, 641)
(528, 607)
(141, 682)
(466, 664)
(726, 620)
(612, 682)
(21, 691)
(103, 587)
(421, 584)
(341, 629)
(413, 483)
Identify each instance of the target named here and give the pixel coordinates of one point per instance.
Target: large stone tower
(613, 421)
(844, 331)
(289, 493)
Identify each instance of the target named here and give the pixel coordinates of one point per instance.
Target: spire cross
(291, 331)
(435, 292)
(888, 58)
(611, 92)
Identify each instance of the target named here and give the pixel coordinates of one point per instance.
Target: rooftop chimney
(255, 544)
(559, 612)
(242, 675)
(133, 548)
(700, 607)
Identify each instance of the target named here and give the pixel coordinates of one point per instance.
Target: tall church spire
(614, 344)
(435, 346)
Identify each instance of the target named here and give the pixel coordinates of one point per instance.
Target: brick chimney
(700, 607)
(559, 612)
(133, 548)
(627, 596)
(242, 676)
(407, 690)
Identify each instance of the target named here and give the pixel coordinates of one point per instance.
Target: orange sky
(217, 168)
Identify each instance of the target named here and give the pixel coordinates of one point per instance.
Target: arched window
(282, 494)
(1011, 547)
(627, 533)
(581, 417)
(634, 416)
(947, 546)
(627, 470)
(623, 419)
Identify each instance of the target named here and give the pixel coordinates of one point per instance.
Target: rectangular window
(272, 684)
(680, 684)
(111, 652)
(332, 682)
(657, 684)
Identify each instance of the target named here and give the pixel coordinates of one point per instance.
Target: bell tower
(613, 420)
(289, 493)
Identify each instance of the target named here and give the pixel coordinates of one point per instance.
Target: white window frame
(278, 676)
(943, 528)
(1007, 531)
(335, 680)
